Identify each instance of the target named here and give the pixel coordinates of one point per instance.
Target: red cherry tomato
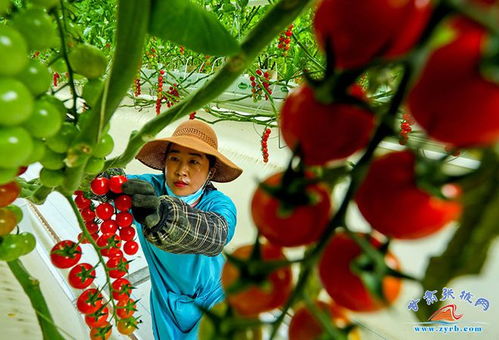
(123, 202)
(81, 276)
(255, 300)
(65, 254)
(343, 285)
(97, 319)
(464, 113)
(124, 219)
(360, 31)
(125, 308)
(92, 227)
(131, 247)
(108, 241)
(390, 186)
(302, 225)
(109, 226)
(104, 211)
(8, 193)
(118, 267)
(100, 185)
(115, 183)
(122, 288)
(82, 202)
(89, 301)
(127, 233)
(87, 214)
(101, 333)
(303, 116)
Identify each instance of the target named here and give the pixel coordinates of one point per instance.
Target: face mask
(189, 199)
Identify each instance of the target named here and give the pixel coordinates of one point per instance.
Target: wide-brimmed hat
(193, 134)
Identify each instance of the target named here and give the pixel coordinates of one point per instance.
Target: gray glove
(145, 203)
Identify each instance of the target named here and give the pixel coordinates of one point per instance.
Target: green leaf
(469, 247)
(188, 24)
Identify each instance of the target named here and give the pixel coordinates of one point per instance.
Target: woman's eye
(195, 162)
(172, 158)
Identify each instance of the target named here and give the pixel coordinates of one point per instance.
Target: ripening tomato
(255, 300)
(8, 193)
(324, 132)
(343, 285)
(104, 211)
(301, 225)
(101, 333)
(391, 202)
(81, 276)
(125, 308)
(122, 288)
(126, 327)
(360, 31)
(65, 254)
(89, 301)
(97, 319)
(100, 185)
(464, 113)
(305, 326)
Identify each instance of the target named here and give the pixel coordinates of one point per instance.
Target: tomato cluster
(285, 40)
(109, 224)
(260, 85)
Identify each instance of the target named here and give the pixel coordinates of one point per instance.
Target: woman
(184, 222)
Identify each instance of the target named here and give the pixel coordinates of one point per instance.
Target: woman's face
(186, 170)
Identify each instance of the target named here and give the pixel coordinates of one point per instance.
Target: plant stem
(280, 16)
(31, 287)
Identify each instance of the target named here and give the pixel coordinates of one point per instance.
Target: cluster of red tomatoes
(12, 245)
(102, 223)
(285, 40)
(452, 101)
(260, 85)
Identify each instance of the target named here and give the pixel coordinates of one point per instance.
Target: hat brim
(153, 155)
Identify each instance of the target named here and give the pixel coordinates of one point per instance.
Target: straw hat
(196, 135)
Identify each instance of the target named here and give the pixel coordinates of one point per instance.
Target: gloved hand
(145, 203)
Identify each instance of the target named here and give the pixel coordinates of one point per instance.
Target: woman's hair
(211, 159)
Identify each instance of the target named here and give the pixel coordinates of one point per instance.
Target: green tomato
(16, 102)
(38, 152)
(53, 160)
(94, 166)
(104, 147)
(8, 221)
(7, 175)
(59, 66)
(36, 77)
(45, 120)
(45, 3)
(13, 51)
(15, 146)
(4, 6)
(91, 91)
(11, 247)
(17, 212)
(60, 142)
(88, 61)
(51, 178)
(37, 28)
(57, 104)
(28, 242)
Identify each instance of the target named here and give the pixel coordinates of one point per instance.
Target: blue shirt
(179, 282)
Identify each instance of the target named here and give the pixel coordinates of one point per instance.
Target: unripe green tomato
(60, 142)
(88, 61)
(51, 178)
(13, 51)
(94, 166)
(104, 147)
(28, 242)
(48, 4)
(36, 77)
(45, 120)
(38, 152)
(16, 102)
(7, 175)
(37, 28)
(53, 160)
(17, 212)
(59, 66)
(57, 104)
(4, 6)
(15, 146)
(92, 90)
(10, 247)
